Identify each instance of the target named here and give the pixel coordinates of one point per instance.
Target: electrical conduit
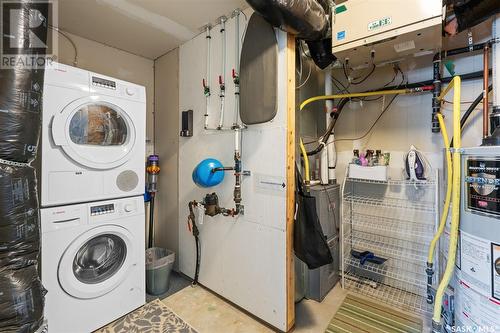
(455, 215)
(446, 208)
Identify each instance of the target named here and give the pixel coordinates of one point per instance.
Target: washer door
(97, 262)
(95, 132)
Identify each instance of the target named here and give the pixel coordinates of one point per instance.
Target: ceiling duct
(306, 19)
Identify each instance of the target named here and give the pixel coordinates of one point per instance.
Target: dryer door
(95, 132)
(96, 262)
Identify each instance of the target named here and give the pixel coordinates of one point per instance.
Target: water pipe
(436, 91)
(208, 78)
(236, 70)
(455, 214)
(222, 77)
(330, 143)
(486, 79)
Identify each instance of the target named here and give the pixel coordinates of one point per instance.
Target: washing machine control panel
(102, 209)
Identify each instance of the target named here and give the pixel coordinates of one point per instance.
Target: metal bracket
(457, 150)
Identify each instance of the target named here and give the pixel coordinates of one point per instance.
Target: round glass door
(96, 262)
(95, 133)
(99, 258)
(98, 125)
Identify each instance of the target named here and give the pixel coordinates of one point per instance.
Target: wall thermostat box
(393, 29)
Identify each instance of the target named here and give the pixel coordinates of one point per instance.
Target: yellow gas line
(361, 94)
(455, 214)
(447, 201)
(306, 162)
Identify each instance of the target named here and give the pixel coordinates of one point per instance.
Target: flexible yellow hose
(362, 94)
(306, 162)
(447, 201)
(455, 214)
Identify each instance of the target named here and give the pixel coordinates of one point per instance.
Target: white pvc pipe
(332, 153)
(236, 67)
(223, 75)
(496, 61)
(208, 77)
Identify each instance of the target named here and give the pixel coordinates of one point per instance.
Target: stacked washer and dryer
(91, 184)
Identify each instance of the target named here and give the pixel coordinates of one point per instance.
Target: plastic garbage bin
(159, 263)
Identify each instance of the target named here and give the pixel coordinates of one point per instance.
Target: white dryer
(93, 137)
(93, 263)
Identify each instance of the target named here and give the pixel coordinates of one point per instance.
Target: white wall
(167, 147)
(243, 259)
(103, 59)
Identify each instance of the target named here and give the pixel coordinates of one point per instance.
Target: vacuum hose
(151, 221)
(196, 233)
(446, 208)
(455, 215)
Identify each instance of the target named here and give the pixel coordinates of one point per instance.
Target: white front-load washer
(93, 137)
(93, 263)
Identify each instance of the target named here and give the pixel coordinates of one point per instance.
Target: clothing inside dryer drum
(98, 124)
(99, 259)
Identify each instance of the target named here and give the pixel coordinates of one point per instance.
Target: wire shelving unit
(395, 220)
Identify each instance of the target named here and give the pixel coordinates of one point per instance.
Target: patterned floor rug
(359, 315)
(154, 317)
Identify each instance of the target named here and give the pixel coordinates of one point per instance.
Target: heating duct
(306, 19)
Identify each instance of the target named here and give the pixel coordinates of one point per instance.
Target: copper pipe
(486, 51)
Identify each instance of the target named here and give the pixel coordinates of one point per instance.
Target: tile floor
(208, 313)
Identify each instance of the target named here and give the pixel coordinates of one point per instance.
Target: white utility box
(393, 29)
(378, 173)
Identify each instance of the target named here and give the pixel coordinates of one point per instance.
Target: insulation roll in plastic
(20, 113)
(21, 86)
(21, 300)
(18, 188)
(19, 219)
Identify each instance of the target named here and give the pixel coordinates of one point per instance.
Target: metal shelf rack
(395, 220)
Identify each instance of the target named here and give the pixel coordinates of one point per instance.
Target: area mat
(359, 315)
(154, 317)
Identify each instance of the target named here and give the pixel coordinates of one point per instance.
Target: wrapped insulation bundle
(19, 218)
(21, 300)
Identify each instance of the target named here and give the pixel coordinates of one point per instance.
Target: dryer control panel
(100, 82)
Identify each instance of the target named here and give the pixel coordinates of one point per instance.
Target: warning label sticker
(475, 312)
(495, 271)
(476, 262)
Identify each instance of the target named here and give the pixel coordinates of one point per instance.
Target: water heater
(477, 275)
(392, 29)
